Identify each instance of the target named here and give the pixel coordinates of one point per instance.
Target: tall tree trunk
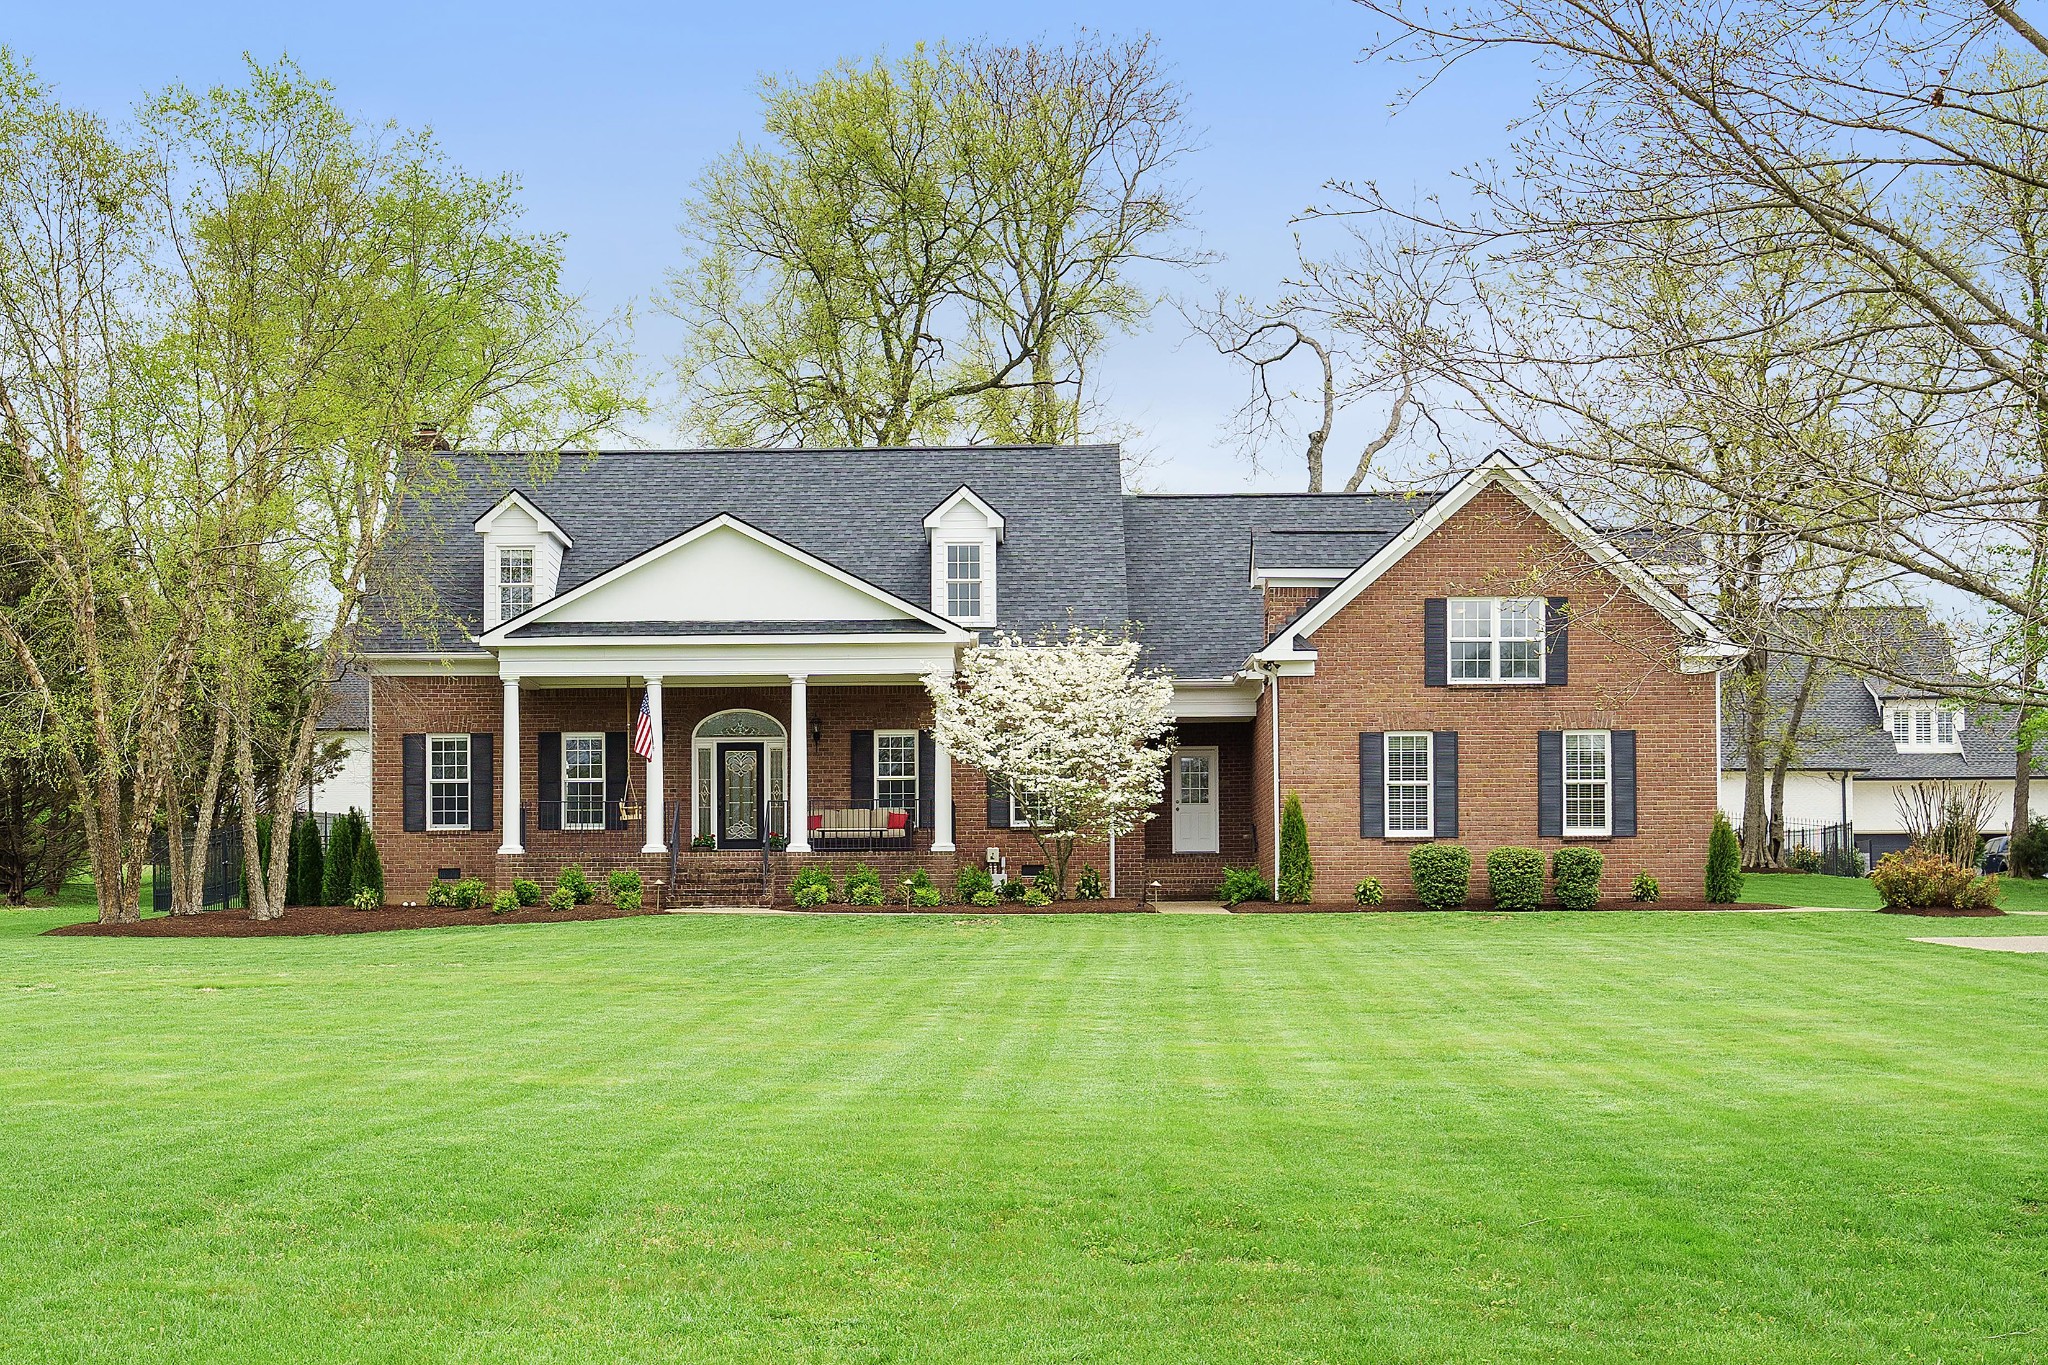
(1755, 705)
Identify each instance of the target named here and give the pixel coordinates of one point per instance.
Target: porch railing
(866, 827)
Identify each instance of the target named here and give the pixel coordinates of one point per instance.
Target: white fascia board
(1298, 577)
(724, 521)
(964, 494)
(515, 498)
(1498, 468)
(772, 664)
(1232, 699)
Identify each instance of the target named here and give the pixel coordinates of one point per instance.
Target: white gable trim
(725, 521)
(963, 493)
(515, 498)
(1499, 469)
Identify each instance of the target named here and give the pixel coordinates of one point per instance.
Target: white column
(508, 763)
(799, 782)
(655, 819)
(942, 799)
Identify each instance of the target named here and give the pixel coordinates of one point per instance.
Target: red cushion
(899, 819)
(817, 822)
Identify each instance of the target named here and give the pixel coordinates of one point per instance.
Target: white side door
(1194, 800)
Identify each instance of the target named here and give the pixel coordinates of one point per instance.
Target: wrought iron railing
(866, 827)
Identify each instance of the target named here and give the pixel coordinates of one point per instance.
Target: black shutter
(863, 779)
(1556, 644)
(1550, 784)
(927, 766)
(1443, 774)
(1436, 671)
(483, 784)
(414, 750)
(548, 770)
(1621, 753)
(1372, 789)
(999, 803)
(614, 778)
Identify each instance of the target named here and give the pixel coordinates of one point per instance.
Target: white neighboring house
(347, 719)
(1867, 740)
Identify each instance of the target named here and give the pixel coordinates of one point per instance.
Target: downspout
(1273, 688)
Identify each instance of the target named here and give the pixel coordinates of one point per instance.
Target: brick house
(1477, 664)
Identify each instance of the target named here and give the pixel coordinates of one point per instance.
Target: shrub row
(812, 886)
(1442, 875)
(624, 889)
(345, 869)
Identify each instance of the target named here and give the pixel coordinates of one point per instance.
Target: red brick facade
(1369, 678)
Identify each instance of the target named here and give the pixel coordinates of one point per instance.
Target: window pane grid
(963, 580)
(1407, 782)
(1585, 782)
(896, 770)
(448, 782)
(583, 782)
(1493, 639)
(515, 582)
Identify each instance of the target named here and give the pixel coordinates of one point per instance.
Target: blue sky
(608, 111)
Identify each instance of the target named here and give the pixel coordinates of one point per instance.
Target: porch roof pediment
(728, 580)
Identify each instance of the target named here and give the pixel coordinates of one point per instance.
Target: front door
(1194, 801)
(739, 795)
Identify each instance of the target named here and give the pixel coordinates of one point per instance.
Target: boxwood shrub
(1576, 873)
(811, 887)
(1443, 875)
(1514, 878)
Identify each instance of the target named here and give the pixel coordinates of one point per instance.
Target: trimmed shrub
(1514, 878)
(1013, 890)
(365, 899)
(562, 900)
(1241, 884)
(985, 899)
(628, 901)
(971, 881)
(340, 870)
(2027, 854)
(1088, 886)
(1575, 872)
(924, 897)
(578, 885)
(441, 896)
(1044, 882)
(1369, 892)
(369, 869)
(919, 880)
(1724, 863)
(526, 890)
(863, 886)
(1037, 897)
(1297, 869)
(305, 871)
(1645, 889)
(812, 887)
(504, 903)
(625, 882)
(1800, 858)
(1919, 880)
(1442, 873)
(471, 893)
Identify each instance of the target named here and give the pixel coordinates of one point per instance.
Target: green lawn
(1744, 1138)
(1796, 888)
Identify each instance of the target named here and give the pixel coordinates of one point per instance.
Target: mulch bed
(1103, 907)
(332, 919)
(1476, 907)
(1943, 912)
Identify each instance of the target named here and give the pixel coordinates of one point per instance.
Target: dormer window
(515, 582)
(1925, 727)
(963, 582)
(964, 533)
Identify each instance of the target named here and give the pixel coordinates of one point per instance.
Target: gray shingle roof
(1297, 548)
(1190, 564)
(1844, 727)
(861, 511)
(348, 702)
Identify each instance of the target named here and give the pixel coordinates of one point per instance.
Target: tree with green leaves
(930, 249)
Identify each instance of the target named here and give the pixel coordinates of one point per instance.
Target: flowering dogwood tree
(1071, 725)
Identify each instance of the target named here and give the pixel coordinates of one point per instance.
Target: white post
(799, 764)
(1273, 683)
(942, 799)
(1112, 867)
(655, 842)
(508, 763)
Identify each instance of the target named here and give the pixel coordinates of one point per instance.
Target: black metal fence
(223, 888)
(1811, 846)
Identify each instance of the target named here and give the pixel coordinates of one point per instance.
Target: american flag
(643, 733)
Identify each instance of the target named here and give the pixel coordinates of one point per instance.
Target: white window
(1028, 810)
(963, 582)
(515, 583)
(1408, 786)
(447, 781)
(1926, 727)
(1495, 639)
(1586, 782)
(896, 769)
(583, 782)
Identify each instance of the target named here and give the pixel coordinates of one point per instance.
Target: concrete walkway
(2010, 943)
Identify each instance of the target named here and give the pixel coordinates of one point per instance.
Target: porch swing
(629, 809)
